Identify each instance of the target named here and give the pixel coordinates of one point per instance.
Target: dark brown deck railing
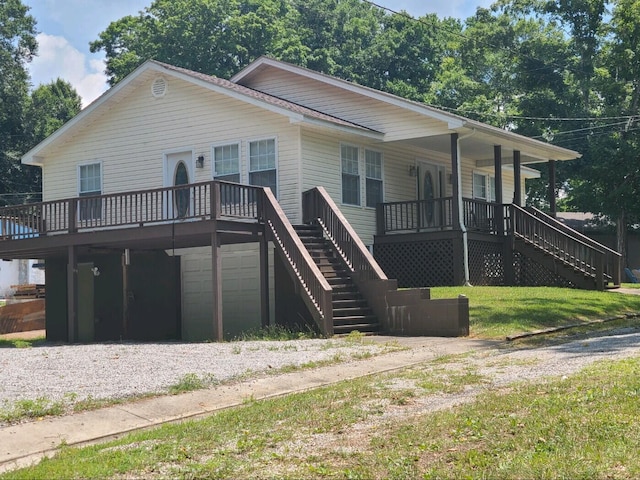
(318, 206)
(436, 214)
(316, 291)
(481, 216)
(612, 259)
(571, 251)
(414, 216)
(143, 207)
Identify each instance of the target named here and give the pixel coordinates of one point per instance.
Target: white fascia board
(530, 146)
(453, 121)
(371, 134)
(236, 95)
(32, 158)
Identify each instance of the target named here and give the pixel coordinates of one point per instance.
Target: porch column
(497, 168)
(517, 178)
(455, 181)
(72, 293)
(216, 294)
(264, 281)
(552, 188)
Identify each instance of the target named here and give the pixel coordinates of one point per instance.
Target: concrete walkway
(27, 443)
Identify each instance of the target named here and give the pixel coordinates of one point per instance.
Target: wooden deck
(163, 218)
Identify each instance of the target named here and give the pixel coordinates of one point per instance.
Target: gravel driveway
(123, 369)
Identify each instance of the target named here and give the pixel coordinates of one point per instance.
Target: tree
(216, 37)
(47, 108)
(17, 48)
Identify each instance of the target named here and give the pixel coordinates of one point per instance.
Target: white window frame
(489, 186)
(90, 192)
(276, 160)
(358, 175)
(214, 173)
(367, 177)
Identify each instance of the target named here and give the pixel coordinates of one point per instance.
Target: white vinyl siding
(188, 117)
(262, 164)
(373, 172)
(89, 184)
(349, 157)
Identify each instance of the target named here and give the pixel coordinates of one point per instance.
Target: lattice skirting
(417, 264)
(486, 263)
(529, 273)
(432, 264)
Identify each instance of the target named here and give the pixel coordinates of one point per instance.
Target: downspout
(463, 228)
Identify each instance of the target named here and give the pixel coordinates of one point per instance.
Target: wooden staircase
(350, 309)
(567, 253)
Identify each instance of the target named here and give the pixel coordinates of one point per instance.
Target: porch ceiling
(478, 147)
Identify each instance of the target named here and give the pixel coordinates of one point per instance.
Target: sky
(66, 27)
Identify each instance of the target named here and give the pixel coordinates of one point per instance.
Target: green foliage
(496, 312)
(191, 382)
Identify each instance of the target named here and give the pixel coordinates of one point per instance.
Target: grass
(275, 333)
(583, 426)
(22, 343)
(496, 312)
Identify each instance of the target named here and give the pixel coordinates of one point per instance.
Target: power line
(486, 44)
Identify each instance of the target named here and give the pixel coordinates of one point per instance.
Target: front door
(430, 192)
(178, 171)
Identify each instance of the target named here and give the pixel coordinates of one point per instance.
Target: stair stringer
(555, 265)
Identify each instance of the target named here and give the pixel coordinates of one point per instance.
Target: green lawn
(496, 312)
(582, 426)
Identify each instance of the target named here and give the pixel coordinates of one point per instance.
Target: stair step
(354, 319)
(369, 328)
(349, 303)
(342, 313)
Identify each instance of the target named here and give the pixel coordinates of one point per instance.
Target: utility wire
(487, 44)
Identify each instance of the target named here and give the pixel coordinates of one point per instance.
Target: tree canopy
(26, 118)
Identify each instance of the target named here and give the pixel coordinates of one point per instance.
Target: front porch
(434, 243)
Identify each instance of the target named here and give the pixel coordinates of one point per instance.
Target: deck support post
(264, 281)
(552, 188)
(72, 293)
(517, 178)
(216, 294)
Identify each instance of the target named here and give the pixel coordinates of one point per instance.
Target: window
(262, 164)
(226, 163)
(90, 177)
(484, 187)
(350, 175)
(373, 172)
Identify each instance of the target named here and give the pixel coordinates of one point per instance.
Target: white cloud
(57, 58)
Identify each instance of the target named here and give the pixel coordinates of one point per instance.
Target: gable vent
(159, 87)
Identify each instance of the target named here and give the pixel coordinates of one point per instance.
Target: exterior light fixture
(200, 161)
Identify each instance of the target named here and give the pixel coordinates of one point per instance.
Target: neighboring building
(143, 239)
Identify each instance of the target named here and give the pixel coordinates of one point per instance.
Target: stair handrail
(576, 253)
(612, 258)
(315, 290)
(319, 206)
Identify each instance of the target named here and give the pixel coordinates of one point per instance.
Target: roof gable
(296, 113)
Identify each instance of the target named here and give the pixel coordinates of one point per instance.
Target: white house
(144, 239)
